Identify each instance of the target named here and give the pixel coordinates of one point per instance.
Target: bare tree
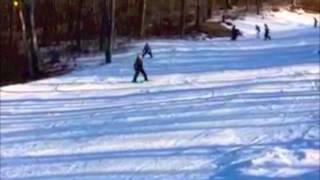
(111, 25)
(79, 25)
(258, 6)
(11, 30)
(293, 4)
(227, 4)
(182, 17)
(25, 38)
(28, 31)
(34, 39)
(143, 6)
(198, 16)
(104, 24)
(247, 5)
(209, 10)
(70, 16)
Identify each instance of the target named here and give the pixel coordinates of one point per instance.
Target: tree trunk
(209, 10)
(182, 17)
(171, 6)
(143, 6)
(34, 40)
(128, 8)
(79, 26)
(111, 25)
(132, 17)
(70, 17)
(104, 24)
(11, 30)
(28, 30)
(258, 6)
(247, 5)
(293, 4)
(25, 38)
(114, 26)
(198, 18)
(203, 10)
(227, 5)
(46, 19)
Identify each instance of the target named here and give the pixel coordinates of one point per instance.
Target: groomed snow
(213, 109)
(282, 20)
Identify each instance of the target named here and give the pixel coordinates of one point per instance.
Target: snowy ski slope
(213, 109)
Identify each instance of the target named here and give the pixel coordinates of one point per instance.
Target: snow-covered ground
(213, 110)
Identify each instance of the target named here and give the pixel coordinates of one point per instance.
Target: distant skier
(266, 32)
(235, 33)
(138, 68)
(147, 50)
(258, 31)
(315, 22)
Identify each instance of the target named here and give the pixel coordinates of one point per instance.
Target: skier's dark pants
(267, 37)
(136, 74)
(147, 52)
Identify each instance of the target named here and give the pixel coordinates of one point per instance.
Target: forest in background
(84, 26)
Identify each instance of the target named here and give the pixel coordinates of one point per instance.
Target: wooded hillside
(81, 26)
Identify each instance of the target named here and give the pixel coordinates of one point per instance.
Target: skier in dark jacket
(266, 32)
(235, 33)
(258, 31)
(315, 25)
(138, 68)
(147, 50)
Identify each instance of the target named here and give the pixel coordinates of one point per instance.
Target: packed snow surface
(213, 109)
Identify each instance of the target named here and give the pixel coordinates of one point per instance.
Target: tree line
(28, 24)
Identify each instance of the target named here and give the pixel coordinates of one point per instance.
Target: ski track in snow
(213, 110)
